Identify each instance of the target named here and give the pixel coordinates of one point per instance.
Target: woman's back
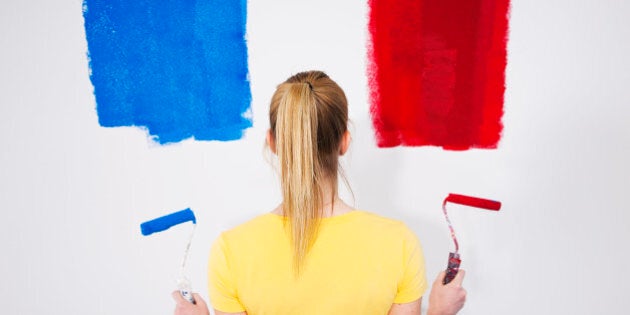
(360, 263)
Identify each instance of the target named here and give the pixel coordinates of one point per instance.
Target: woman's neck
(332, 204)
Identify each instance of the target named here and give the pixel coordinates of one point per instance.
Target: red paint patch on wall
(437, 72)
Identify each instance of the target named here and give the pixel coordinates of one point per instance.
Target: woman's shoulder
(370, 221)
(374, 218)
(260, 225)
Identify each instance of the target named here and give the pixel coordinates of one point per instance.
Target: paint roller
(165, 222)
(454, 259)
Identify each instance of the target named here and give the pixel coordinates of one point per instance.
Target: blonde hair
(308, 118)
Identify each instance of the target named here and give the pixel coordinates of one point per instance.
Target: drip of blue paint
(177, 68)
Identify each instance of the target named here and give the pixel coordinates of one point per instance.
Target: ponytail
(308, 117)
(296, 144)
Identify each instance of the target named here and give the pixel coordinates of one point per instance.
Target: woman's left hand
(184, 307)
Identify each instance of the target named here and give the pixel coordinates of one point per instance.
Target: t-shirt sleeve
(413, 283)
(221, 283)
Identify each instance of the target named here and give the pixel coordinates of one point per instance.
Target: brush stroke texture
(437, 72)
(177, 68)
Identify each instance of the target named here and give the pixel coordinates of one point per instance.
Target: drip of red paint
(437, 72)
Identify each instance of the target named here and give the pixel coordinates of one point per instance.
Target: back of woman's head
(308, 117)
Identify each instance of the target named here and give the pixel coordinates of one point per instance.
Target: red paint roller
(453, 258)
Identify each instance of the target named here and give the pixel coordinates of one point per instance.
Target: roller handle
(452, 267)
(183, 285)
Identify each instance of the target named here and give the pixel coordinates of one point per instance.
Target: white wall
(73, 194)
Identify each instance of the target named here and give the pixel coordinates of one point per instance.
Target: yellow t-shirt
(360, 263)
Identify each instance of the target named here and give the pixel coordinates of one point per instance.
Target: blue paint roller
(164, 223)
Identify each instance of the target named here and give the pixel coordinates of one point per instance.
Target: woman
(314, 254)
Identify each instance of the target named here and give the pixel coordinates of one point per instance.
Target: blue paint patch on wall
(177, 68)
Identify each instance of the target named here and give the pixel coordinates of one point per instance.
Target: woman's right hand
(447, 299)
(184, 307)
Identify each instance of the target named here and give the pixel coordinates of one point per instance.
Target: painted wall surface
(73, 193)
(178, 70)
(437, 72)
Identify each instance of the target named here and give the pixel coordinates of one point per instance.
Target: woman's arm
(411, 308)
(443, 299)
(183, 307)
